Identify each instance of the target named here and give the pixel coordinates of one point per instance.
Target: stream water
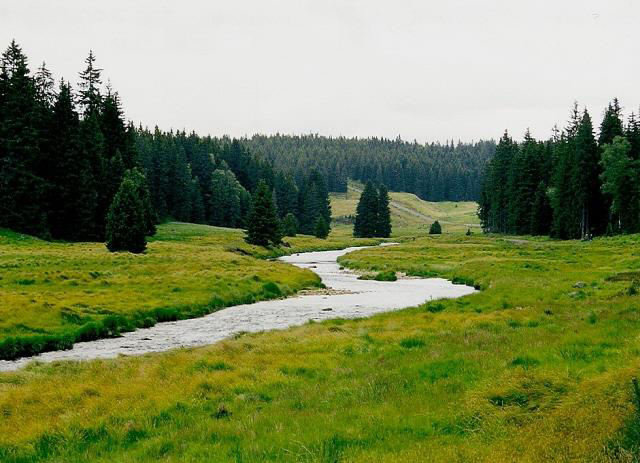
(351, 298)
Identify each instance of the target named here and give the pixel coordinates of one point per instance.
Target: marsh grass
(57, 294)
(516, 372)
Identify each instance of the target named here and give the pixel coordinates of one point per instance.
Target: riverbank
(535, 367)
(57, 294)
(354, 298)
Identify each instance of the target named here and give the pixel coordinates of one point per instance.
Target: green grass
(454, 216)
(56, 294)
(536, 367)
(380, 276)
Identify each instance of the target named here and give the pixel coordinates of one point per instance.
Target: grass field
(410, 214)
(55, 294)
(535, 367)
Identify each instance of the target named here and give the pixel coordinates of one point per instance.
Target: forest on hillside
(65, 152)
(574, 185)
(434, 172)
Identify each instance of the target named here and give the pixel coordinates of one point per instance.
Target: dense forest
(434, 172)
(575, 185)
(67, 154)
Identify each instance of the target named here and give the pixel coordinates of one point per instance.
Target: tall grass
(520, 371)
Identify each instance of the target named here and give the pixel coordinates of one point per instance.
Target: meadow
(410, 215)
(55, 294)
(535, 367)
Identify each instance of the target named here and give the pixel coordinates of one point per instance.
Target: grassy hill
(410, 214)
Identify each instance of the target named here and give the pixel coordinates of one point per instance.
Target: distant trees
(263, 227)
(373, 217)
(435, 172)
(129, 214)
(435, 228)
(313, 203)
(572, 186)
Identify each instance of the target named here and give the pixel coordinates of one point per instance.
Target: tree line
(574, 185)
(434, 172)
(69, 160)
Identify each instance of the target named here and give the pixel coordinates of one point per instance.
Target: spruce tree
(73, 195)
(142, 191)
(314, 202)
(435, 229)
(22, 185)
(586, 179)
(321, 228)
(383, 229)
(620, 181)
(89, 96)
(290, 225)
(126, 223)
(263, 227)
(366, 222)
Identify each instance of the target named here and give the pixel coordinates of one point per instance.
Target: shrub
(412, 343)
(435, 229)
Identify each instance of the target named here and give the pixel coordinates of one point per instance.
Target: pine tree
(22, 186)
(435, 229)
(263, 228)
(72, 196)
(89, 95)
(126, 223)
(290, 225)
(586, 179)
(314, 202)
(197, 203)
(620, 181)
(366, 223)
(142, 191)
(383, 229)
(321, 228)
(226, 208)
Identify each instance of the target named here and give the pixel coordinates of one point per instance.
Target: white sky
(429, 69)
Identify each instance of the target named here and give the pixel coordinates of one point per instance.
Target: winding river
(348, 298)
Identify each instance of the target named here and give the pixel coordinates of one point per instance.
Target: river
(350, 298)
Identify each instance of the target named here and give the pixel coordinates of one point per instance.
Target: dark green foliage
(620, 182)
(383, 227)
(127, 218)
(23, 187)
(226, 200)
(434, 172)
(569, 187)
(321, 229)
(366, 224)
(313, 203)
(263, 227)
(290, 225)
(435, 228)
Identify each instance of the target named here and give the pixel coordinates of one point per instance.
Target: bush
(435, 229)
(381, 276)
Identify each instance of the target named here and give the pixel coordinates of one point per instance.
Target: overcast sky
(423, 69)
